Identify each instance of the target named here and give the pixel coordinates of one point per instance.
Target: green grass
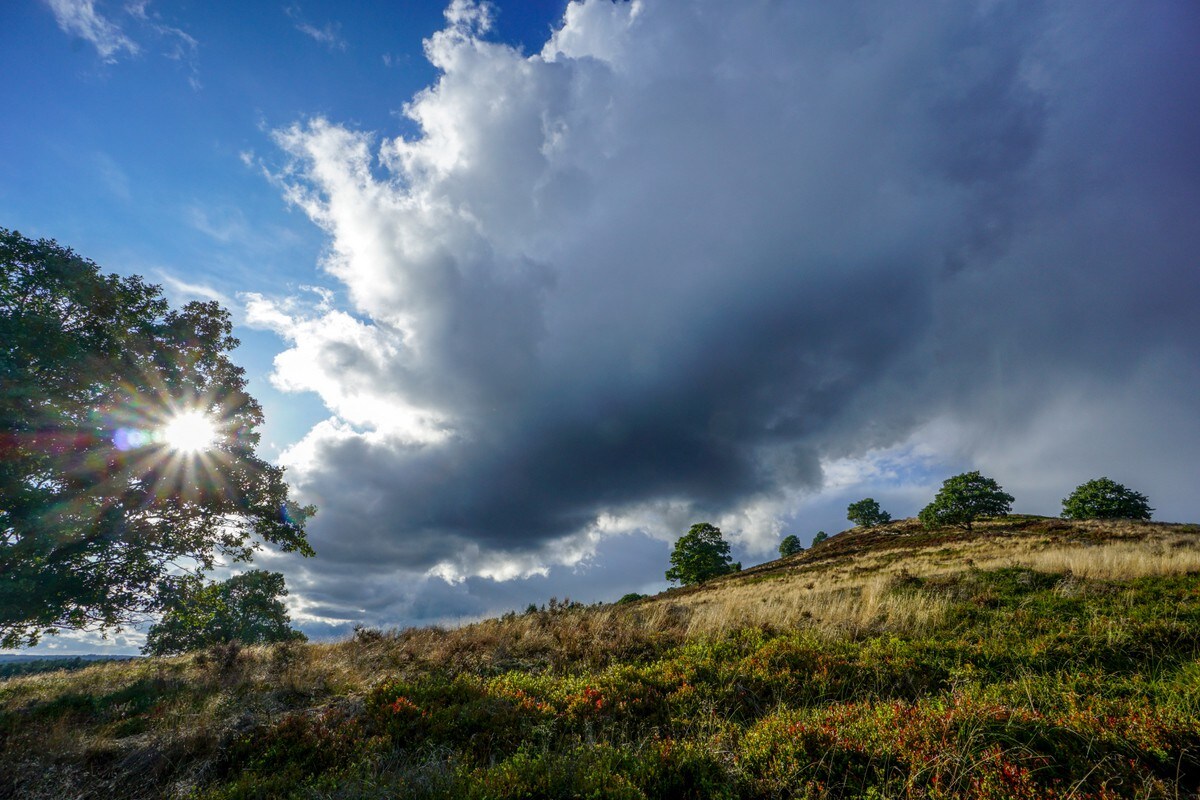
(1034, 685)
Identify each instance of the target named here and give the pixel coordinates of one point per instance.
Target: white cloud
(724, 261)
(328, 34)
(179, 45)
(181, 291)
(353, 366)
(470, 17)
(79, 18)
(113, 176)
(226, 224)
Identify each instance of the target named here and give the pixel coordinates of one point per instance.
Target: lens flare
(189, 432)
(125, 439)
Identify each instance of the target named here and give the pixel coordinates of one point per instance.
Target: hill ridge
(1031, 657)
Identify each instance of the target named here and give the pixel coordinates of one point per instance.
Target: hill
(1030, 657)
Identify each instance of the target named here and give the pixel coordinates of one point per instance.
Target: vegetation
(700, 555)
(965, 498)
(244, 609)
(11, 666)
(867, 514)
(820, 537)
(1063, 662)
(97, 509)
(1103, 498)
(790, 546)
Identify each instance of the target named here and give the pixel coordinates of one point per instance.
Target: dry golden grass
(849, 594)
(832, 607)
(1118, 560)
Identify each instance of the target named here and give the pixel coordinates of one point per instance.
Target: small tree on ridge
(867, 513)
(964, 499)
(790, 546)
(1103, 498)
(700, 554)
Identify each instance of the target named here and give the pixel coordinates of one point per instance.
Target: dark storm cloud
(687, 256)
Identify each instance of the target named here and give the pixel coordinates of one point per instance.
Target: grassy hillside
(1030, 658)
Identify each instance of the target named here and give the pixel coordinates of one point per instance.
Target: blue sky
(527, 288)
(137, 159)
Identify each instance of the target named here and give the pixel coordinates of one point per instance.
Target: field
(1028, 658)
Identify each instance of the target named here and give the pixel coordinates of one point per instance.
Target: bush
(964, 499)
(790, 546)
(867, 513)
(1102, 498)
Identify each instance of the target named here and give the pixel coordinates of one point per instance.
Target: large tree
(127, 446)
(700, 554)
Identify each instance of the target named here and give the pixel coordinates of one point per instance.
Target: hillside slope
(1029, 658)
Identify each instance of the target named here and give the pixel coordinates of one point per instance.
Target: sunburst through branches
(189, 432)
(177, 449)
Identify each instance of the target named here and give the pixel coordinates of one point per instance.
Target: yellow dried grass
(854, 597)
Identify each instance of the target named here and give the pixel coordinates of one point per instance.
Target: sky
(526, 289)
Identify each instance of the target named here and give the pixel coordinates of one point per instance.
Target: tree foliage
(1103, 498)
(820, 537)
(95, 509)
(866, 513)
(965, 498)
(245, 608)
(700, 554)
(790, 546)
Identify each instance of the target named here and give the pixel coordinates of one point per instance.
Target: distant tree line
(36, 666)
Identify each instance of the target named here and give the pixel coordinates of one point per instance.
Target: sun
(189, 432)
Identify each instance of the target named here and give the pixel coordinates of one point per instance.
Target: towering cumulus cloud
(689, 255)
